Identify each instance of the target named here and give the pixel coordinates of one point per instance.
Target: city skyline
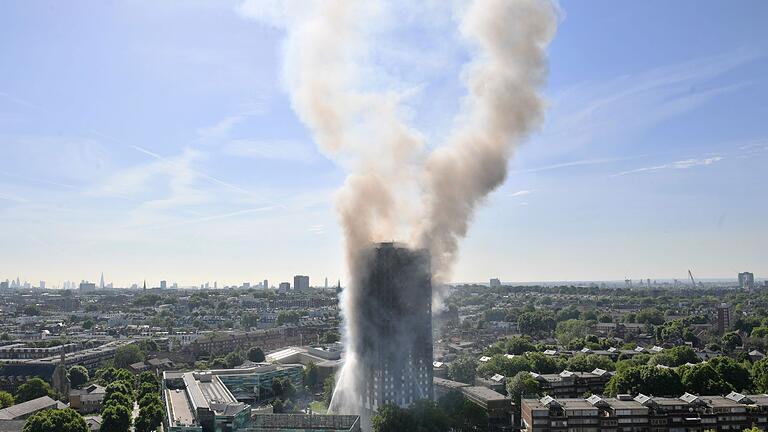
(173, 153)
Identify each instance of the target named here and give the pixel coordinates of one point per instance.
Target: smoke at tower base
(393, 189)
(389, 349)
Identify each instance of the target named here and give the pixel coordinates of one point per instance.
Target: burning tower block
(394, 337)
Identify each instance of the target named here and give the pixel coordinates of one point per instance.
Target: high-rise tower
(393, 315)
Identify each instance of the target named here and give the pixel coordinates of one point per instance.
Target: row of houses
(688, 413)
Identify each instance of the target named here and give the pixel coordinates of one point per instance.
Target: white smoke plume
(326, 54)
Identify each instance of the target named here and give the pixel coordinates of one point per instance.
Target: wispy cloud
(20, 101)
(12, 198)
(274, 150)
(520, 193)
(186, 166)
(37, 180)
(681, 164)
(569, 164)
(595, 116)
(222, 130)
(214, 217)
(317, 229)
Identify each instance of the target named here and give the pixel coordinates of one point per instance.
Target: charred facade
(395, 337)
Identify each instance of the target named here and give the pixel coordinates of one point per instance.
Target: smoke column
(502, 107)
(325, 51)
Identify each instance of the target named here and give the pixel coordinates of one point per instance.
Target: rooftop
(19, 411)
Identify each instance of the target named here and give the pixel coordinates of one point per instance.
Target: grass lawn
(319, 407)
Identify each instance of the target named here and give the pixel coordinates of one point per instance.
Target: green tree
(78, 375)
(58, 420)
(569, 330)
(463, 369)
(736, 374)
(278, 406)
(518, 345)
(118, 393)
(429, 417)
(702, 379)
(542, 363)
(503, 365)
(151, 413)
(760, 375)
(33, 389)
(286, 317)
(330, 337)
(282, 387)
(730, 341)
(115, 418)
(328, 386)
(311, 376)
(233, 360)
(256, 355)
(676, 356)
(520, 386)
(149, 378)
(650, 316)
(148, 345)
(127, 355)
(648, 380)
(249, 320)
(535, 323)
(6, 399)
(392, 418)
(589, 362)
(109, 375)
(146, 389)
(463, 414)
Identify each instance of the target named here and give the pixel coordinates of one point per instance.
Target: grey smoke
(365, 131)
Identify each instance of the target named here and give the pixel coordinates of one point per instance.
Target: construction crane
(693, 281)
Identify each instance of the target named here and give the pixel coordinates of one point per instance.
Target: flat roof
(442, 382)
(625, 404)
(179, 409)
(484, 393)
(215, 392)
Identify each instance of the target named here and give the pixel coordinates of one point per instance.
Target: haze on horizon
(155, 141)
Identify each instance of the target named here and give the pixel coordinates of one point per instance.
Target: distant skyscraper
(163, 284)
(326, 283)
(495, 283)
(393, 338)
(746, 280)
(300, 282)
(42, 284)
(284, 286)
(101, 281)
(265, 284)
(4, 285)
(723, 318)
(86, 287)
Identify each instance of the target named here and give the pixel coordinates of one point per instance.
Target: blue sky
(156, 140)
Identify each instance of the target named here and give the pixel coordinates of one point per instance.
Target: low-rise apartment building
(688, 413)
